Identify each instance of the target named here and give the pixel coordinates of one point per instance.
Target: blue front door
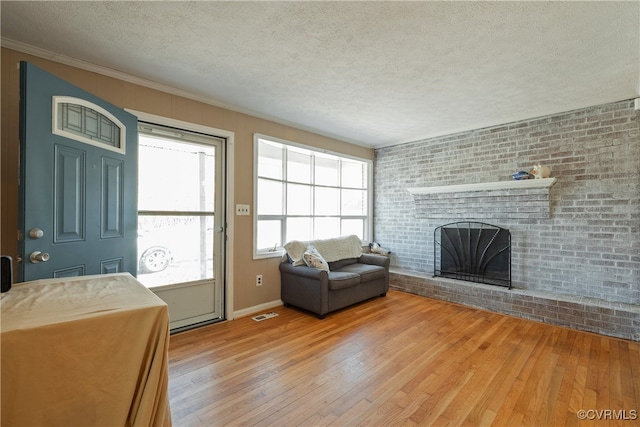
(78, 181)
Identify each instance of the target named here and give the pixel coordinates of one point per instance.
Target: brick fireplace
(575, 245)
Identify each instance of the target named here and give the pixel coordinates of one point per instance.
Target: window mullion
(285, 185)
(175, 213)
(312, 180)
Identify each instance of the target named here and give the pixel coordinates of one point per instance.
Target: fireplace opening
(473, 251)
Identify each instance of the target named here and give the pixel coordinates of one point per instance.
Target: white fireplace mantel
(484, 186)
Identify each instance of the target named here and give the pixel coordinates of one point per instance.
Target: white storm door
(181, 222)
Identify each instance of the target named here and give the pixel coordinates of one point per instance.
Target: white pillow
(313, 259)
(295, 249)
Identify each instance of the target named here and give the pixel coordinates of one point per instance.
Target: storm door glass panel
(175, 176)
(176, 202)
(174, 249)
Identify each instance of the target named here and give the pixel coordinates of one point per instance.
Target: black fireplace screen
(473, 251)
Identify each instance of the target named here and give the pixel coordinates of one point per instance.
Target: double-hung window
(303, 193)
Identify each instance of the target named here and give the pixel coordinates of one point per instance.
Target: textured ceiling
(373, 73)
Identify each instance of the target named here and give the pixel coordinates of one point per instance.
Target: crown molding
(98, 69)
(109, 72)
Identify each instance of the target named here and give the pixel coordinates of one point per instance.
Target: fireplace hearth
(474, 252)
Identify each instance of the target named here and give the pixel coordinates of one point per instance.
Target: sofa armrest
(372, 259)
(382, 261)
(305, 287)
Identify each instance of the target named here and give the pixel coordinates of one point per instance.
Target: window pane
(269, 234)
(299, 166)
(299, 229)
(353, 226)
(174, 249)
(326, 227)
(270, 195)
(354, 174)
(270, 159)
(327, 201)
(298, 199)
(175, 176)
(87, 123)
(326, 170)
(354, 202)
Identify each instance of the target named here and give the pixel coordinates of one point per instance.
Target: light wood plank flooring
(402, 360)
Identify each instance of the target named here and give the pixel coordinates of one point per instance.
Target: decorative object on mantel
(540, 172)
(521, 175)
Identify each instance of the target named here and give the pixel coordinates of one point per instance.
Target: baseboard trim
(256, 308)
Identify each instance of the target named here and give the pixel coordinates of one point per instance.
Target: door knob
(38, 256)
(36, 233)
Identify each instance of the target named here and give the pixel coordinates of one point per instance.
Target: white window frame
(278, 251)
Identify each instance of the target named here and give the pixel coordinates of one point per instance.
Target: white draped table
(84, 351)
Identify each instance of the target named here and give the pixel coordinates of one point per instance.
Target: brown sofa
(348, 281)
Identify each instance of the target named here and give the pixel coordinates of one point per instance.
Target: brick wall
(588, 243)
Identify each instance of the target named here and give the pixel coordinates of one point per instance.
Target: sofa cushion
(295, 250)
(343, 279)
(336, 265)
(366, 272)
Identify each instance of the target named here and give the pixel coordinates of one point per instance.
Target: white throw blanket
(331, 249)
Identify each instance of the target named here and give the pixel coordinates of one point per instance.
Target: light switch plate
(242, 209)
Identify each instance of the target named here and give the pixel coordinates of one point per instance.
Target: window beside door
(303, 193)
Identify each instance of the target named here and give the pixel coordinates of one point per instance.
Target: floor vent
(261, 317)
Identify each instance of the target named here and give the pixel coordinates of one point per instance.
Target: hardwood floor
(401, 360)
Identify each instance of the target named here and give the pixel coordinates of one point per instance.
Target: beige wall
(139, 98)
